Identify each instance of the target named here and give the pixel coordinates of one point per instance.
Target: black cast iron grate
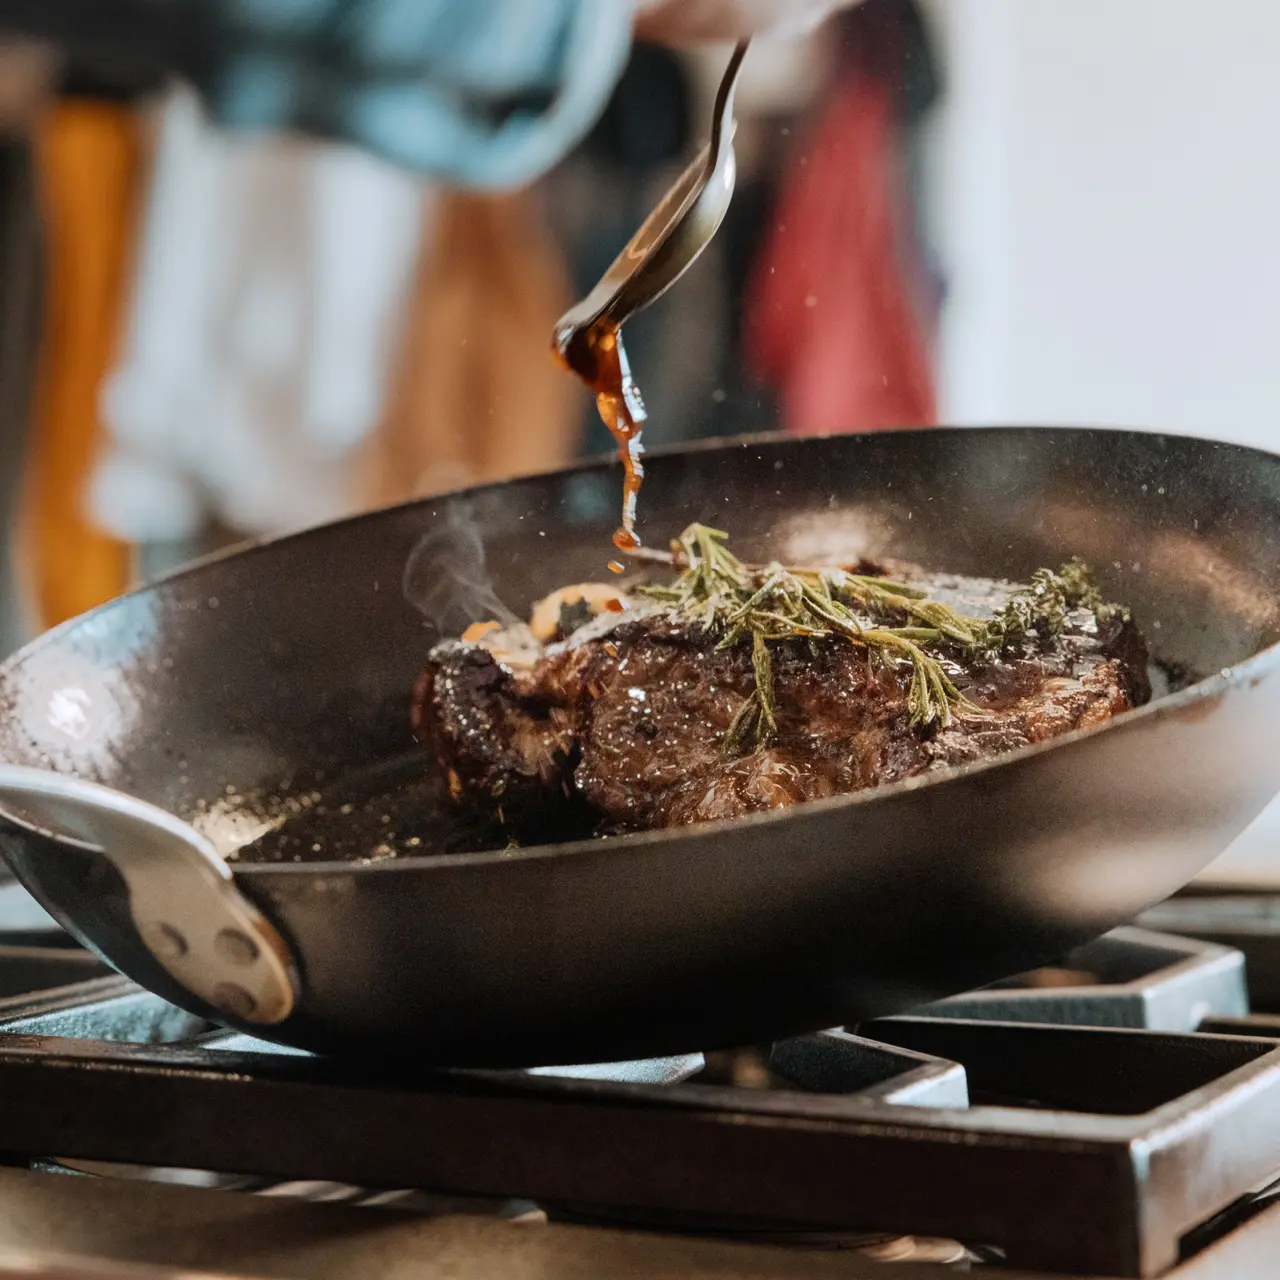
(1098, 1148)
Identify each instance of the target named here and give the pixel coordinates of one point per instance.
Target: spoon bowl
(674, 234)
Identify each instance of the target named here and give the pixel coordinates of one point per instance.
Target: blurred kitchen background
(960, 211)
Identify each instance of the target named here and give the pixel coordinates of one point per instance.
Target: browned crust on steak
(628, 719)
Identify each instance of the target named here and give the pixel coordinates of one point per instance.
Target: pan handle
(183, 899)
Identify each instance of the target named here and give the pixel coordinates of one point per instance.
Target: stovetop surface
(1118, 1115)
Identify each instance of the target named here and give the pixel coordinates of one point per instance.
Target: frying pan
(261, 699)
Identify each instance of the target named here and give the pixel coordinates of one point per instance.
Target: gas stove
(1117, 1115)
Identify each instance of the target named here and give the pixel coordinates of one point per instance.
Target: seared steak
(624, 725)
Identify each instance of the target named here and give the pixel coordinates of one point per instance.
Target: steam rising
(446, 581)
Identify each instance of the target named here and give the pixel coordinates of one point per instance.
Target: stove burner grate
(1078, 1120)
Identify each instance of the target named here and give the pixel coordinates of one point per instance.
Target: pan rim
(1251, 669)
(601, 462)
(605, 462)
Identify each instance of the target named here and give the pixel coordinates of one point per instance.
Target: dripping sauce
(598, 357)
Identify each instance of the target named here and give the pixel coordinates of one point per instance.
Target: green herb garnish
(760, 605)
(1041, 607)
(744, 604)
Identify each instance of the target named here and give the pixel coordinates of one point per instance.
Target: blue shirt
(482, 93)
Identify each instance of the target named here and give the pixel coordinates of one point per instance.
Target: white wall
(1107, 201)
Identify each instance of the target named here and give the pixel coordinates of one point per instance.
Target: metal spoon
(674, 234)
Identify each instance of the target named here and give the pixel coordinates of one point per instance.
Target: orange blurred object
(89, 164)
(478, 396)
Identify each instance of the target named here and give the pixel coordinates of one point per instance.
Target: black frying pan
(273, 686)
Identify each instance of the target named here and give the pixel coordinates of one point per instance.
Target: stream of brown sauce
(598, 357)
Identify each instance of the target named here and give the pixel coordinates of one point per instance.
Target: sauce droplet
(598, 357)
(616, 567)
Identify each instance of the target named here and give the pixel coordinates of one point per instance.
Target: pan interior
(264, 697)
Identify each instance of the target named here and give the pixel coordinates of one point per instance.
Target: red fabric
(832, 319)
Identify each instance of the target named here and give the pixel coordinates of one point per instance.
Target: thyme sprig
(1042, 606)
(766, 604)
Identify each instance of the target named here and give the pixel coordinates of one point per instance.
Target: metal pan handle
(183, 899)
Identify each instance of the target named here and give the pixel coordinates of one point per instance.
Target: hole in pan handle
(185, 905)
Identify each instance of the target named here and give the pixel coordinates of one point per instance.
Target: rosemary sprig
(741, 602)
(771, 603)
(881, 595)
